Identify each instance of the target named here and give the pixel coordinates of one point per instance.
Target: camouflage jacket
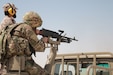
(23, 41)
(7, 21)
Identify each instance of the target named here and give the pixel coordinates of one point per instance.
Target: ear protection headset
(11, 11)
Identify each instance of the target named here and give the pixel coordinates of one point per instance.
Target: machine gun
(56, 35)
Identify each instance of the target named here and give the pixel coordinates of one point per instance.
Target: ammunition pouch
(20, 46)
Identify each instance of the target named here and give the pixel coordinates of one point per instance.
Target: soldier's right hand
(37, 32)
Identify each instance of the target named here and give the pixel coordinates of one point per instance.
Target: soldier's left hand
(45, 39)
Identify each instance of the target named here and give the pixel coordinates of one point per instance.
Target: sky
(90, 21)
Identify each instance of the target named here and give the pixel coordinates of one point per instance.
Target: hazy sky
(90, 21)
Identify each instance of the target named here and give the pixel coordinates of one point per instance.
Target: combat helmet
(33, 19)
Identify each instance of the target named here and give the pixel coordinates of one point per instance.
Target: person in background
(10, 14)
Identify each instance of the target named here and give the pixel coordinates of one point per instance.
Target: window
(69, 69)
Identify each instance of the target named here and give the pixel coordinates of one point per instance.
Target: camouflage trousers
(30, 67)
(34, 69)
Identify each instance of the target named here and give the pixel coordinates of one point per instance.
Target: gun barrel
(75, 39)
(71, 38)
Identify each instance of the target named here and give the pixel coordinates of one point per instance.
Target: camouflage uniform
(7, 21)
(9, 17)
(24, 42)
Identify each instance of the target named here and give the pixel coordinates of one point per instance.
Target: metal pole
(94, 63)
(77, 64)
(63, 65)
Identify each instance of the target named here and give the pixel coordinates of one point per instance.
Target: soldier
(34, 20)
(23, 41)
(10, 14)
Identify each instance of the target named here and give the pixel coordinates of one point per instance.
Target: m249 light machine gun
(55, 38)
(56, 35)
